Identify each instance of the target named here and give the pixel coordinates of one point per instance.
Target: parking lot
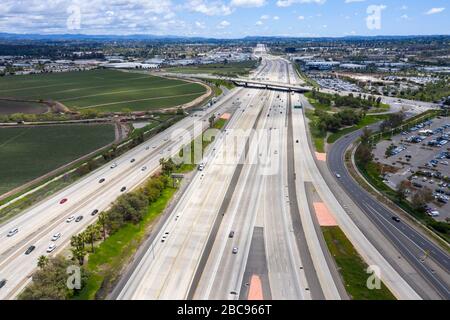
(422, 156)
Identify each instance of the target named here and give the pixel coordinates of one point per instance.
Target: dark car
(123, 189)
(30, 250)
(79, 218)
(133, 160)
(94, 212)
(231, 235)
(2, 283)
(396, 219)
(101, 180)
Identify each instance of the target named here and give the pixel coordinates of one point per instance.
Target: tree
(421, 198)
(365, 136)
(102, 220)
(91, 234)
(77, 243)
(364, 154)
(402, 190)
(168, 166)
(50, 282)
(42, 262)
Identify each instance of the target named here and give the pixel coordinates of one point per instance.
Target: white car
(51, 248)
(13, 232)
(70, 219)
(338, 175)
(113, 165)
(56, 236)
(434, 213)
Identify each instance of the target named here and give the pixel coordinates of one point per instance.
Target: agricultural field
(30, 152)
(227, 69)
(10, 107)
(102, 90)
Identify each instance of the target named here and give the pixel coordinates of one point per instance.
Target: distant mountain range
(149, 37)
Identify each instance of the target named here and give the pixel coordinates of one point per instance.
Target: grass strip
(352, 267)
(106, 262)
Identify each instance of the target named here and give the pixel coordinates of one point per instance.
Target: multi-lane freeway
(252, 219)
(245, 221)
(97, 191)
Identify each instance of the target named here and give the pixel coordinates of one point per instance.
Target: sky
(227, 18)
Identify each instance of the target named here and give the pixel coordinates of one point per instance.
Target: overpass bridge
(268, 85)
(249, 83)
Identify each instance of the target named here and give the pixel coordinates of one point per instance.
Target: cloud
(301, 18)
(287, 3)
(200, 25)
(209, 8)
(434, 11)
(264, 17)
(95, 16)
(351, 1)
(248, 3)
(259, 23)
(223, 24)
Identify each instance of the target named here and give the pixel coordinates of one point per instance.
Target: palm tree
(102, 223)
(42, 262)
(92, 232)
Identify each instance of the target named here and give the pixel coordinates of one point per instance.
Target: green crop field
(28, 153)
(102, 90)
(228, 69)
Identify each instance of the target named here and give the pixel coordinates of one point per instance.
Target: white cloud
(248, 3)
(435, 10)
(200, 25)
(287, 3)
(209, 8)
(259, 23)
(351, 1)
(301, 18)
(96, 16)
(223, 24)
(276, 18)
(264, 17)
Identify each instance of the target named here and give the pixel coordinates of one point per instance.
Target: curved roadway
(405, 238)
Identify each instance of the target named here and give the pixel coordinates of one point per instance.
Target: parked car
(93, 213)
(2, 283)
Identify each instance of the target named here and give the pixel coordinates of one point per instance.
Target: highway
(413, 245)
(167, 270)
(255, 184)
(259, 211)
(38, 224)
(267, 210)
